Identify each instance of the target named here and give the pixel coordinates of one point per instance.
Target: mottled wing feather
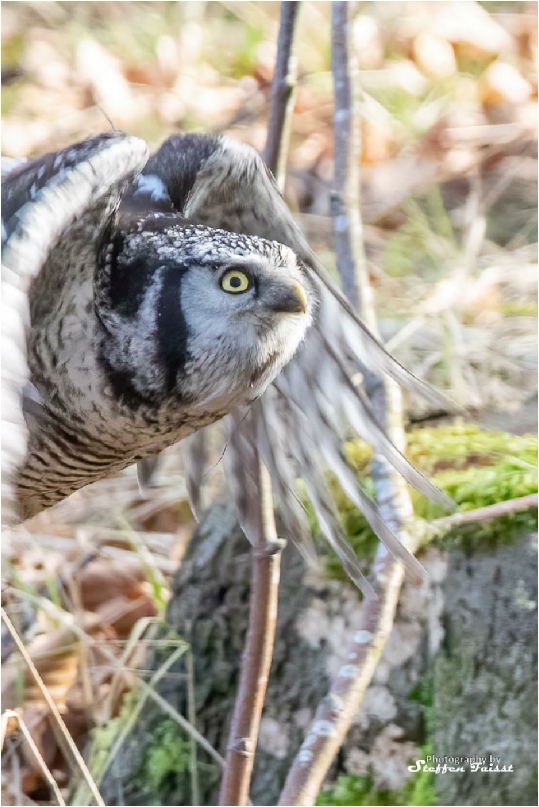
(241, 464)
(273, 425)
(146, 473)
(40, 200)
(195, 460)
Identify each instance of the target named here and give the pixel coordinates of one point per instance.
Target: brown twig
(443, 525)
(257, 653)
(266, 554)
(282, 87)
(334, 715)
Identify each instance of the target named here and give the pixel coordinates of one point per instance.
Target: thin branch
(344, 199)
(335, 713)
(266, 553)
(493, 511)
(258, 649)
(282, 87)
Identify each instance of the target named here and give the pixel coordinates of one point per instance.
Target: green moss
(356, 790)
(155, 749)
(166, 757)
(476, 468)
(103, 739)
(462, 445)
(359, 790)
(520, 309)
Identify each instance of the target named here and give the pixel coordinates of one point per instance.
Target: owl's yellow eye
(235, 281)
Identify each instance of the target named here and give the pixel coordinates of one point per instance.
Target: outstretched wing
(41, 199)
(300, 423)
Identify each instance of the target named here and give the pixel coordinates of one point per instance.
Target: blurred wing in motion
(41, 199)
(300, 423)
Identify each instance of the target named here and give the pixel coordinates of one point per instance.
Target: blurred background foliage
(448, 107)
(448, 101)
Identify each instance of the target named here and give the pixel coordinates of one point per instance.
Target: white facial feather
(236, 337)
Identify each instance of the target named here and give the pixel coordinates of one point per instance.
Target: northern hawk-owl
(155, 296)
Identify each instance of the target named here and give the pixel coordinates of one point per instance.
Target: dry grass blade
(55, 612)
(69, 746)
(126, 728)
(9, 714)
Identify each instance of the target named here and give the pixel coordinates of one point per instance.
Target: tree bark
(485, 692)
(469, 629)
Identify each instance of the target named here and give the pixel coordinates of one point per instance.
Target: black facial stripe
(172, 330)
(128, 280)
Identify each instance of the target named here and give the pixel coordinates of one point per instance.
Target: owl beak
(289, 300)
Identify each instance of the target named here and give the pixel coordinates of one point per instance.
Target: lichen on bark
(485, 694)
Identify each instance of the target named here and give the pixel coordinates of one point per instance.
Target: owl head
(202, 316)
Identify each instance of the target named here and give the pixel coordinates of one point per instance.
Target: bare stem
(282, 86)
(345, 203)
(256, 661)
(443, 525)
(334, 715)
(266, 554)
(335, 712)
